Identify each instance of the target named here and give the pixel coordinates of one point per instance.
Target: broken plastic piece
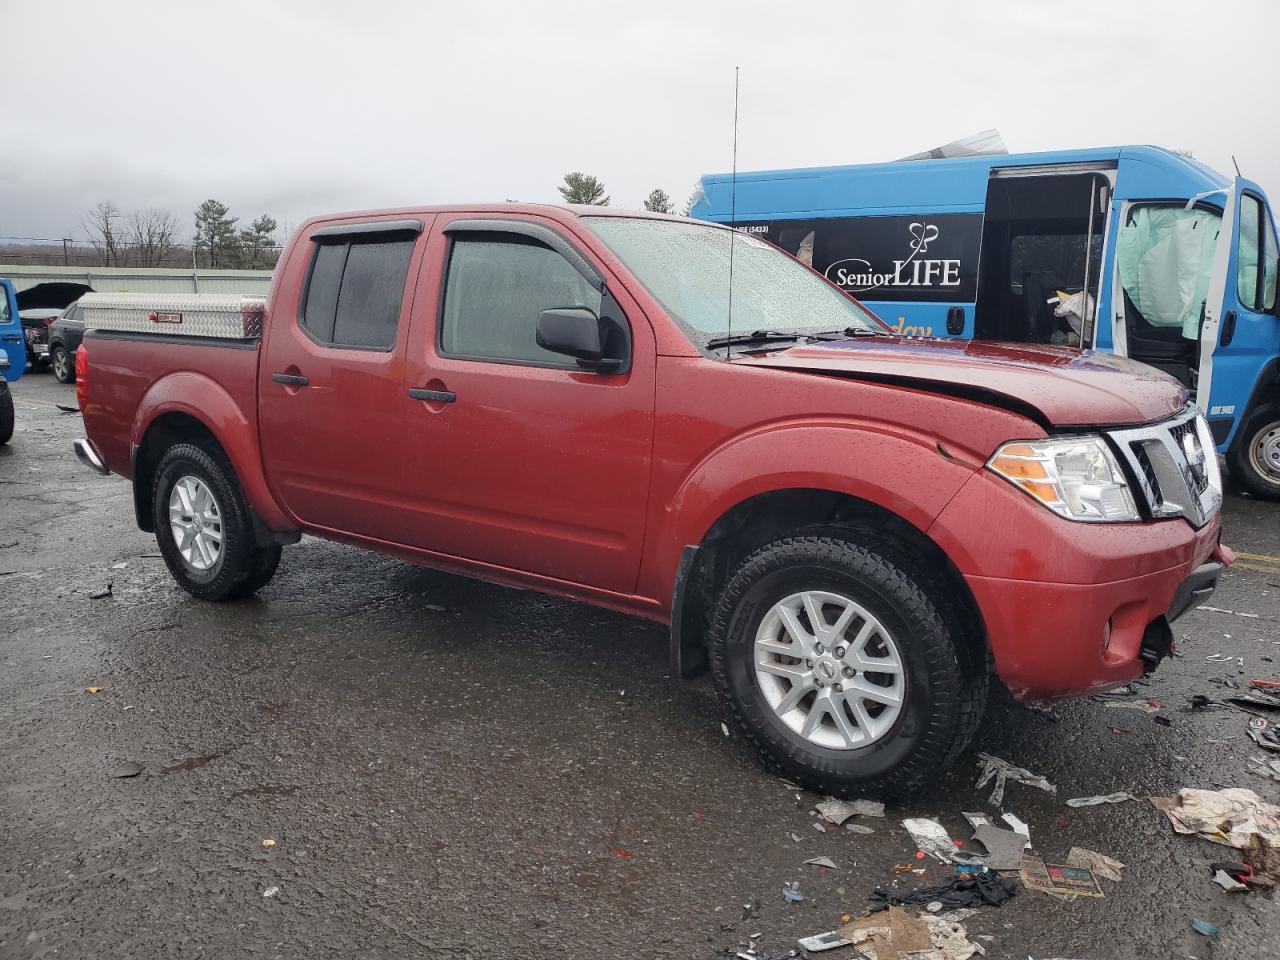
(931, 838)
(1228, 883)
(858, 828)
(1018, 827)
(838, 811)
(977, 819)
(791, 892)
(1002, 771)
(1094, 801)
(824, 941)
(92, 689)
(1204, 927)
(1004, 847)
(821, 862)
(270, 892)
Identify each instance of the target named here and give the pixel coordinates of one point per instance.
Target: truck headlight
(1075, 477)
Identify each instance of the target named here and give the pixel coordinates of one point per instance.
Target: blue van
(1135, 250)
(13, 355)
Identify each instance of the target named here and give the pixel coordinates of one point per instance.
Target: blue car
(13, 356)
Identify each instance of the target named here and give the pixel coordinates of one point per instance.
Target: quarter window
(356, 289)
(495, 289)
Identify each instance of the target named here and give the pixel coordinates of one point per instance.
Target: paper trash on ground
(1004, 847)
(838, 811)
(931, 838)
(1094, 801)
(1058, 880)
(1002, 771)
(891, 935)
(1101, 865)
(1234, 817)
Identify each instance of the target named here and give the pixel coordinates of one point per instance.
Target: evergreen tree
(216, 234)
(581, 188)
(659, 202)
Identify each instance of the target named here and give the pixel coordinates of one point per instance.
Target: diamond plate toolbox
(230, 316)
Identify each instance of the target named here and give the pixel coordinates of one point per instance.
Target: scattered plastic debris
(1234, 817)
(949, 938)
(977, 819)
(858, 828)
(724, 728)
(1003, 771)
(1094, 801)
(268, 842)
(791, 892)
(824, 941)
(130, 768)
(958, 891)
(1058, 880)
(1101, 865)
(838, 811)
(1004, 847)
(1263, 732)
(1228, 883)
(1017, 826)
(1204, 927)
(621, 853)
(931, 838)
(795, 837)
(270, 892)
(821, 862)
(1270, 768)
(819, 826)
(92, 689)
(101, 593)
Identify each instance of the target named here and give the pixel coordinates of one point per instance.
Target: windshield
(686, 266)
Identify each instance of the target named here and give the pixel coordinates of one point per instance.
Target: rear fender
(206, 401)
(907, 473)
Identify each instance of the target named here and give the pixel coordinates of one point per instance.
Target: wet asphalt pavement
(458, 770)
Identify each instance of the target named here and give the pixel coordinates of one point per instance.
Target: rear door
(13, 351)
(332, 404)
(1240, 329)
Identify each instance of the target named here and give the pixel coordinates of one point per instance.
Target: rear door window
(355, 291)
(1255, 257)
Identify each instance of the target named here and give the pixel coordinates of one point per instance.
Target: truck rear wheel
(1255, 457)
(204, 527)
(840, 668)
(6, 413)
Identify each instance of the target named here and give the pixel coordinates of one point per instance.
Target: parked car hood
(1058, 386)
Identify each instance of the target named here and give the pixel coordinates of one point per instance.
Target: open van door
(1218, 301)
(13, 348)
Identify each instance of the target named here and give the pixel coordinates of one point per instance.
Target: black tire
(64, 370)
(1246, 466)
(6, 413)
(944, 694)
(242, 567)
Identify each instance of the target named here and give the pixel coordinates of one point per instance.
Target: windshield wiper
(755, 336)
(850, 332)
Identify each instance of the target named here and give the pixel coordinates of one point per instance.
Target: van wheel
(6, 413)
(204, 528)
(1254, 459)
(840, 669)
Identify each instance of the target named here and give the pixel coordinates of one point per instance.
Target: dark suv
(64, 341)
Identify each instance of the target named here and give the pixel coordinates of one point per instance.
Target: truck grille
(1176, 466)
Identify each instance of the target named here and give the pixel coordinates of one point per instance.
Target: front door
(526, 460)
(12, 346)
(332, 403)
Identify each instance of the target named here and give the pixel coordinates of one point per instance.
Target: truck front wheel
(840, 668)
(204, 528)
(1255, 457)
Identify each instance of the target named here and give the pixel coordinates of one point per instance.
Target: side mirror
(575, 332)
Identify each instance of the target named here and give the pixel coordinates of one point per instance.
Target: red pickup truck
(852, 529)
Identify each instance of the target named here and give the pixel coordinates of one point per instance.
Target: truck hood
(1057, 386)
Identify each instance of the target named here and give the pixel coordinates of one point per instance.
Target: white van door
(1215, 303)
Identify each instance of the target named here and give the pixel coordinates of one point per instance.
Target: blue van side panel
(12, 343)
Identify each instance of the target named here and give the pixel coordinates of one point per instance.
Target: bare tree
(152, 235)
(103, 226)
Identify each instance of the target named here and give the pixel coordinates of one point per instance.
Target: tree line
(151, 238)
(583, 188)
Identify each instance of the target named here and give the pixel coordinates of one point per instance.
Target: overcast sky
(301, 108)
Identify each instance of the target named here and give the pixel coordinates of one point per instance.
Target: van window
(1164, 257)
(1052, 253)
(495, 290)
(1255, 257)
(355, 291)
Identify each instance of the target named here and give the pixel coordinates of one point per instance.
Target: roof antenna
(1236, 165)
(733, 212)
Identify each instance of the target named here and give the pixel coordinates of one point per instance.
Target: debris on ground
(1095, 801)
(1003, 771)
(67, 408)
(1101, 865)
(950, 939)
(92, 689)
(824, 941)
(268, 842)
(821, 862)
(859, 828)
(888, 936)
(724, 728)
(270, 892)
(1234, 817)
(1059, 880)
(838, 811)
(931, 838)
(977, 819)
(791, 892)
(1004, 847)
(101, 594)
(1270, 768)
(1229, 883)
(1017, 826)
(130, 768)
(819, 826)
(1204, 927)
(958, 891)
(1145, 706)
(795, 837)
(1263, 733)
